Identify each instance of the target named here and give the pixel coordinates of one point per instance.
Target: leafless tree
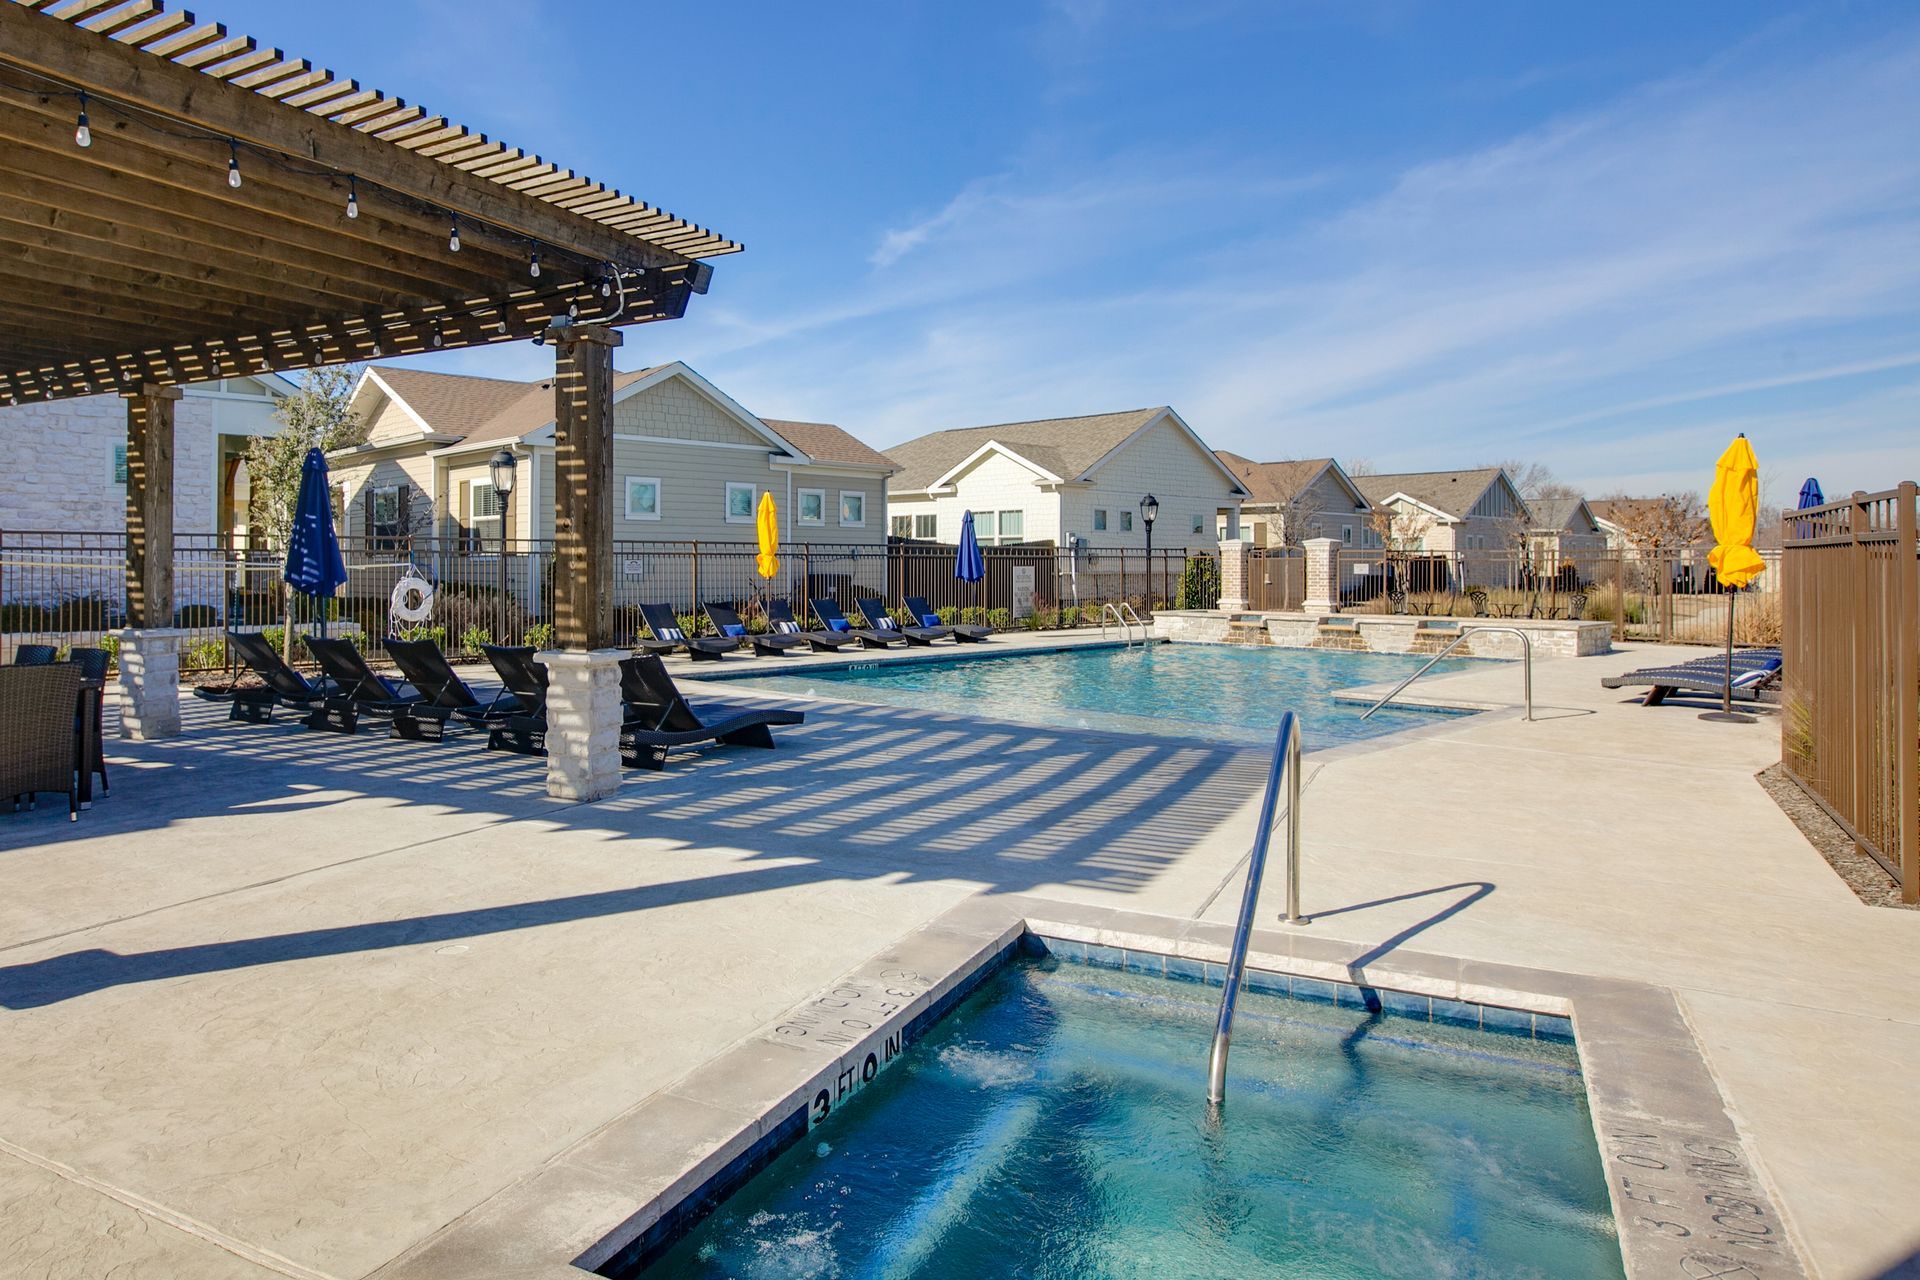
(1669, 523)
(1399, 527)
(1296, 515)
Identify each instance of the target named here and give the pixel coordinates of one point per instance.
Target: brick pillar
(1323, 571)
(1236, 563)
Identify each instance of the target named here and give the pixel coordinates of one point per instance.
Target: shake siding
(1162, 461)
(391, 424)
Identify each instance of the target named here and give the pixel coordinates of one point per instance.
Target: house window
(643, 497)
(1012, 527)
(813, 506)
(120, 464)
(1126, 522)
(484, 518)
(740, 502)
(1346, 534)
(1099, 519)
(853, 509)
(984, 524)
(901, 526)
(927, 527)
(1198, 524)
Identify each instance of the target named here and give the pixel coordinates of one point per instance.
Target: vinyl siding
(360, 479)
(1164, 461)
(994, 483)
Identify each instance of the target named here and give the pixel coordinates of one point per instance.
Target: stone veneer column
(1236, 556)
(1323, 571)
(149, 661)
(583, 722)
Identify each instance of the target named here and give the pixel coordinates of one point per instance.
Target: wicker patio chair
(1479, 599)
(93, 670)
(1576, 606)
(33, 655)
(39, 739)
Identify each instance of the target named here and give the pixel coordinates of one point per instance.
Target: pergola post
(149, 654)
(583, 694)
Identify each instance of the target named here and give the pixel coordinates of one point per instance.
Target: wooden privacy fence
(1850, 724)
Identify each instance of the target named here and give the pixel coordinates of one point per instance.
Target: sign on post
(1022, 590)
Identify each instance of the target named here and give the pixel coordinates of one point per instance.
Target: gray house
(1290, 502)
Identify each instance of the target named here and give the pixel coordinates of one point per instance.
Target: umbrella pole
(1726, 693)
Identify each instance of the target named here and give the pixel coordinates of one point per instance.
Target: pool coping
(1687, 1198)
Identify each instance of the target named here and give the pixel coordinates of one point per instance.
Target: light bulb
(438, 340)
(82, 135)
(573, 311)
(453, 235)
(533, 267)
(233, 164)
(606, 286)
(353, 198)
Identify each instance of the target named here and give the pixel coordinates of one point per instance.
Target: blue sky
(1605, 237)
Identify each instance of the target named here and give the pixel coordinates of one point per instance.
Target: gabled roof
(1278, 483)
(532, 409)
(1057, 449)
(824, 442)
(445, 405)
(1453, 493)
(1562, 513)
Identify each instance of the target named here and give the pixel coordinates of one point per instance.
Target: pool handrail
(1286, 766)
(1526, 666)
(1123, 615)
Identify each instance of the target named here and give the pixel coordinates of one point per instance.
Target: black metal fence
(69, 588)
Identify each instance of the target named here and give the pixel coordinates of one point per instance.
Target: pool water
(1054, 1126)
(1212, 691)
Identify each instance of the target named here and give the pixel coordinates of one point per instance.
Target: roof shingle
(1453, 492)
(824, 442)
(1067, 447)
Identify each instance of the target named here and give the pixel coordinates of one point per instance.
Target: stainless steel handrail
(1121, 620)
(1286, 765)
(1526, 665)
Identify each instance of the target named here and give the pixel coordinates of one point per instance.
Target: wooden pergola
(179, 204)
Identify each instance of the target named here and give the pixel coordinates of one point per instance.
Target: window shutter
(402, 503)
(461, 509)
(366, 523)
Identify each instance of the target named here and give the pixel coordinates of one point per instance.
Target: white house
(76, 455)
(689, 463)
(1065, 478)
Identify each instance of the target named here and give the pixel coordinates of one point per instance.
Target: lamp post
(1149, 512)
(501, 467)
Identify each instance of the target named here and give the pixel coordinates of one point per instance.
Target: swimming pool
(1213, 691)
(1054, 1125)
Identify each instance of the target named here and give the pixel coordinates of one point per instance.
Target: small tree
(1401, 528)
(316, 416)
(1295, 515)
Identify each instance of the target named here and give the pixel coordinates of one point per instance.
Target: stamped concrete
(309, 1002)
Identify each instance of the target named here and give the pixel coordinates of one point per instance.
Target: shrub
(538, 636)
(1200, 584)
(473, 637)
(203, 655)
(436, 634)
(1000, 619)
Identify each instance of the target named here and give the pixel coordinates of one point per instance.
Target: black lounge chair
(34, 655)
(1755, 672)
(665, 626)
(358, 690)
(963, 632)
(780, 618)
(523, 729)
(281, 685)
(444, 696)
(658, 718)
(833, 620)
(878, 619)
(768, 644)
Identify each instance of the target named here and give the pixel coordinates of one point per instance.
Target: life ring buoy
(412, 599)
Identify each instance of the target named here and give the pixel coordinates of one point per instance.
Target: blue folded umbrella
(968, 564)
(314, 567)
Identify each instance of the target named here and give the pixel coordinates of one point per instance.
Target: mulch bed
(1868, 879)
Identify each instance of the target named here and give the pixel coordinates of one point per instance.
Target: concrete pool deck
(294, 1004)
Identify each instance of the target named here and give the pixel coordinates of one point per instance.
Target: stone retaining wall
(1382, 633)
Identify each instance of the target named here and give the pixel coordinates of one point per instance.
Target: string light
(439, 339)
(233, 163)
(82, 134)
(453, 234)
(533, 265)
(606, 285)
(353, 196)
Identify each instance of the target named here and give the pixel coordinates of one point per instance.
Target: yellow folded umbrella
(768, 563)
(1734, 507)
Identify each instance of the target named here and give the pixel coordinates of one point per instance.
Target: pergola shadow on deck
(179, 204)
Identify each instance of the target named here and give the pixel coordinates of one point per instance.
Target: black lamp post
(1149, 512)
(501, 465)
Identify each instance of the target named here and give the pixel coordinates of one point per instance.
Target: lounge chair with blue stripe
(281, 685)
(875, 612)
(358, 689)
(769, 644)
(445, 697)
(964, 632)
(833, 620)
(780, 617)
(1755, 673)
(660, 620)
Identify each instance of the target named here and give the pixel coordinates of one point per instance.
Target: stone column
(1323, 576)
(1236, 563)
(583, 723)
(149, 656)
(149, 661)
